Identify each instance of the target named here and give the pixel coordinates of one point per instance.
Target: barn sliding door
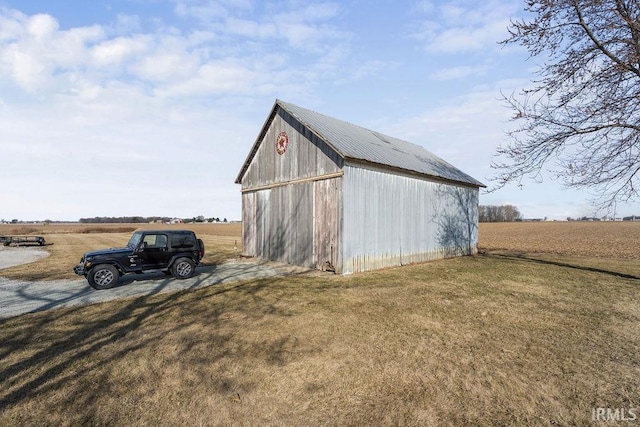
(326, 224)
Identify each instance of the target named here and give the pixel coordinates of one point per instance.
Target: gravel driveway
(10, 256)
(19, 297)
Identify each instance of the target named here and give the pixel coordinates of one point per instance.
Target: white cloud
(41, 26)
(466, 39)
(455, 73)
(463, 25)
(216, 77)
(238, 54)
(37, 52)
(126, 24)
(250, 28)
(304, 27)
(165, 67)
(11, 24)
(41, 57)
(207, 10)
(26, 69)
(146, 156)
(118, 50)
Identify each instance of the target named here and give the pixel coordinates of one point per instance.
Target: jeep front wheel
(183, 268)
(103, 276)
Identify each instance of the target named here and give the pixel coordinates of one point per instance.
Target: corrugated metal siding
(392, 220)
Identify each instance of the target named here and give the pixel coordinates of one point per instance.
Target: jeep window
(134, 240)
(155, 241)
(182, 241)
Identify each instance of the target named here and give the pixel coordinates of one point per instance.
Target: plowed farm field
(589, 239)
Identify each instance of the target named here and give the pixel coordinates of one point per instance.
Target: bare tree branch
(581, 120)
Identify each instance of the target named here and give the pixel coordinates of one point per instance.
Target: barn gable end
(291, 195)
(326, 194)
(306, 155)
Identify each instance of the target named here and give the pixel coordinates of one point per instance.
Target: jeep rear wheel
(183, 268)
(103, 276)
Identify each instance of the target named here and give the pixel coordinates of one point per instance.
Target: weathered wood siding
(327, 219)
(249, 222)
(392, 219)
(306, 156)
(291, 202)
(297, 224)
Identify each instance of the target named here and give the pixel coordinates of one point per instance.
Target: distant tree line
(123, 219)
(502, 213)
(143, 219)
(201, 218)
(605, 218)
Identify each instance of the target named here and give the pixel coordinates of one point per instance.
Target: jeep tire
(103, 276)
(183, 268)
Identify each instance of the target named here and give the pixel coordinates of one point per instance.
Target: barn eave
(411, 173)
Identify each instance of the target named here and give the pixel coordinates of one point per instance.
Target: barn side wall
(392, 220)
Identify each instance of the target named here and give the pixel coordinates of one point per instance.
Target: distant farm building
(327, 194)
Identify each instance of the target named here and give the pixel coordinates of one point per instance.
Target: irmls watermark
(615, 414)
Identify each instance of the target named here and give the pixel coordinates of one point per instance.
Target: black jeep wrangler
(175, 252)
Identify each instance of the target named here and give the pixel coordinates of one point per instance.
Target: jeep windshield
(134, 240)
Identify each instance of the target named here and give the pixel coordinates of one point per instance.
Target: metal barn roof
(355, 142)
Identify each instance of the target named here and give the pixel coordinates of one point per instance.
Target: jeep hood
(109, 252)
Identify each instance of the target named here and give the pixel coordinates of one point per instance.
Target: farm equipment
(22, 240)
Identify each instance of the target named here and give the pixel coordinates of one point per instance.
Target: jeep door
(153, 251)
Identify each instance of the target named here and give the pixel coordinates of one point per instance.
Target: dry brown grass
(471, 341)
(218, 229)
(67, 243)
(489, 340)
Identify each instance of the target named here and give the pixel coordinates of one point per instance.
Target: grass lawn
(493, 339)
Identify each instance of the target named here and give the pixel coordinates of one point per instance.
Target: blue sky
(149, 107)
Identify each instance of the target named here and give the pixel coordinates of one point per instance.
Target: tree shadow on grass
(29, 297)
(78, 341)
(524, 257)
